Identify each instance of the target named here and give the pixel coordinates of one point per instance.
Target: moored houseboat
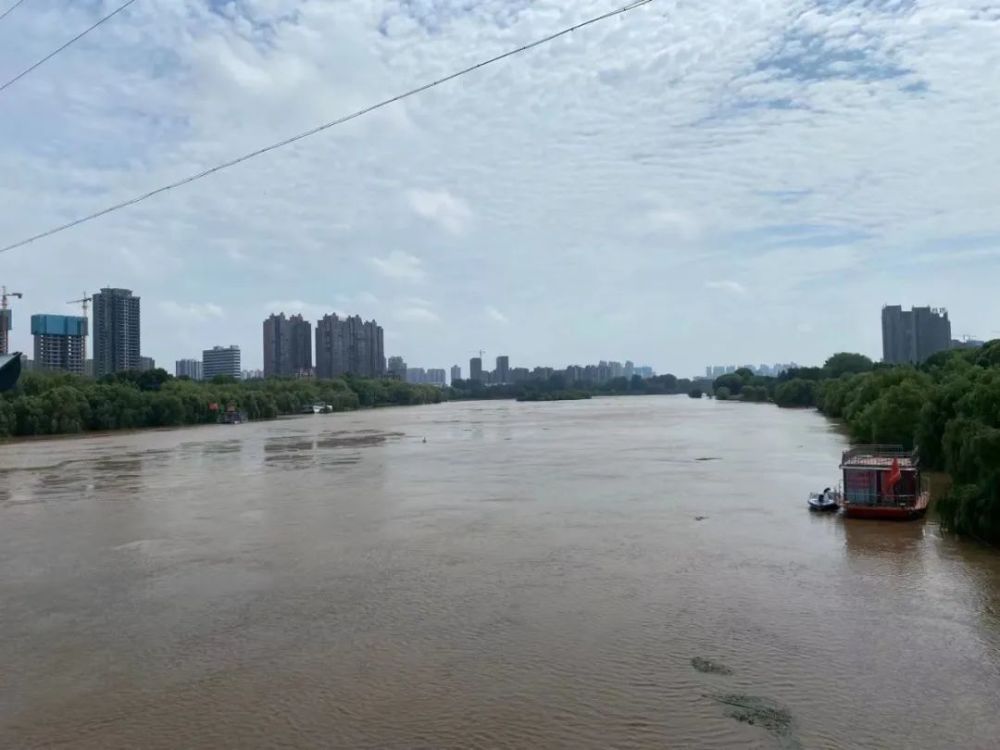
(883, 482)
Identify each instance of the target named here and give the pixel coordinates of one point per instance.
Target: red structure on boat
(883, 482)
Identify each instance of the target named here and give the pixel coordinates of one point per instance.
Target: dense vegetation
(549, 388)
(54, 403)
(948, 408)
(568, 395)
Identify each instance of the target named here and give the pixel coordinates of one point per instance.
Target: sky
(687, 184)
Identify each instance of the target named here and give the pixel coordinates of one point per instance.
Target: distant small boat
(824, 502)
(231, 415)
(317, 409)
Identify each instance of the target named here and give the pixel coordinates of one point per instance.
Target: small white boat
(317, 409)
(826, 501)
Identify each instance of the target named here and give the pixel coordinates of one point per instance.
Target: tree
(615, 385)
(695, 392)
(8, 418)
(732, 382)
(669, 382)
(846, 363)
(802, 373)
(722, 393)
(988, 355)
(795, 393)
(894, 415)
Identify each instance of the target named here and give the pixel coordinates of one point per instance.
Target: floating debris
(707, 666)
(760, 712)
(700, 518)
(708, 458)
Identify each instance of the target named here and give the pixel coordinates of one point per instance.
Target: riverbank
(47, 404)
(947, 408)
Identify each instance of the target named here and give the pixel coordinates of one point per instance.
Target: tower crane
(5, 316)
(83, 302)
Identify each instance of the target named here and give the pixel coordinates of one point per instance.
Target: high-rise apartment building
(59, 342)
(435, 376)
(914, 335)
(221, 360)
(117, 331)
(5, 326)
(146, 363)
(287, 346)
(188, 368)
(456, 373)
(502, 374)
(349, 346)
(476, 369)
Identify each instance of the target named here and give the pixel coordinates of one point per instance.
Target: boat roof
(878, 457)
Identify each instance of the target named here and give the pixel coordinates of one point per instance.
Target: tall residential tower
(914, 335)
(349, 346)
(287, 346)
(59, 342)
(117, 334)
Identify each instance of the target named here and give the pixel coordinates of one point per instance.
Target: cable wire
(77, 38)
(325, 126)
(11, 8)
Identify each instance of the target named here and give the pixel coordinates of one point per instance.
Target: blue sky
(692, 183)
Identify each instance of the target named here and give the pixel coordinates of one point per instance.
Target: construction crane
(5, 317)
(83, 302)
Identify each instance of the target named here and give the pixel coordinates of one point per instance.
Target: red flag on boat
(894, 476)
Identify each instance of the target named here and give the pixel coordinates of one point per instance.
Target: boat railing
(862, 455)
(881, 451)
(877, 500)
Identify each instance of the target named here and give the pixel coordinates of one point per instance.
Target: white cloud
(400, 266)
(672, 221)
(191, 312)
(416, 314)
(495, 315)
(441, 207)
(733, 287)
(611, 172)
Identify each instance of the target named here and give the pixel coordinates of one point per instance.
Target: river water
(618, 573)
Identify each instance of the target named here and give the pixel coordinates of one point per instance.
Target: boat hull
(823, 507)
(884, 513)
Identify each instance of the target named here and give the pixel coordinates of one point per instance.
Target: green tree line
(57, 403)
(948, 408)
(557, 387)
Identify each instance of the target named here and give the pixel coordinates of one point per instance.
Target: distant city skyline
(128, 303)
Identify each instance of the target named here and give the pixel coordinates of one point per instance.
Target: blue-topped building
(60, 342)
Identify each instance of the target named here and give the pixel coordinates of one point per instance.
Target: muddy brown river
(618, 573)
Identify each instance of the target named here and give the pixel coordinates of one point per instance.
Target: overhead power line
(11, 8)
(55, 52)
(321, 128)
